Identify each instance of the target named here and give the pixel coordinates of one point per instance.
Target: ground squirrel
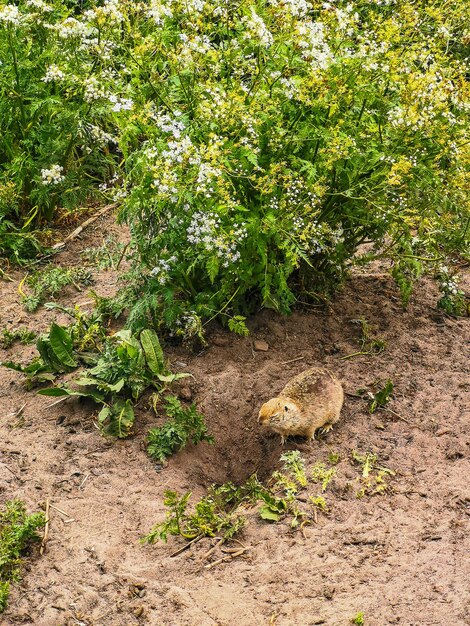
(312, 400)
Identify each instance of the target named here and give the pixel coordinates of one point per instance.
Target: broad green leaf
(62, 346)
(55, 392)
(65, 391)
(268, 514)
(121, 419)
(153, 351)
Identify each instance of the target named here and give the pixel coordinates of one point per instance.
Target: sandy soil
(401, 558)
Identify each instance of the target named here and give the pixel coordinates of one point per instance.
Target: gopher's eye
(286, 409)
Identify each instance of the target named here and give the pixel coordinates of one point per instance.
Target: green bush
(261, 143)
(278, 138)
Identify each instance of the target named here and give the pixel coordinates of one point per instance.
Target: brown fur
(311, 400)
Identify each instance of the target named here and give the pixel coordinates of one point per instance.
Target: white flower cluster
(159, 11)
(93, 89)
(313, 43)
(198, 44)
(448, 281)
(296, 8)
(179, 150)
(10, 15)
(53, 73)
(206, 175)
(52, 176)
(71, 28)
(168, 125)
(258, 30)
(161, 269)
(40, 5)
(193, 6)
(203, 229)
(120, 104)
(110, 11)
(347, 18)
(290, 88)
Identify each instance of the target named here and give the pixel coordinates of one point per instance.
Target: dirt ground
(400, 558)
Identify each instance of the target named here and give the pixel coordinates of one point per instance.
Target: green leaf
(65, 391)
(153, 351)
(120, 419)
(54, 392)
(62, 345)
(268, 514)
(170, 378)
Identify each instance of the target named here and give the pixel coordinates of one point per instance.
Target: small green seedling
(382, 397)
(374, 477)
(320, 474)
(358, 620)
(319, 503)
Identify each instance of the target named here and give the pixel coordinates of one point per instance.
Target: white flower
(40, 5)
(121, 104)
(158, 12)
(71, 27)
(93, 89)
(10, 15)
(53, 73)
(258, 29)
(52, 176)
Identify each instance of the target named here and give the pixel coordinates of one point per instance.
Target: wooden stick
(213, 549)
(46, 529)
(185, 547)
(299, 358)
(86, 223)
(57, 402)
(16, 414)
(60, 511)
(227, 558)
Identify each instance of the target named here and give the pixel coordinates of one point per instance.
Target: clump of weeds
(17, 533)
(374, 477)
(9, 336)
(49, 282)
(370, 344)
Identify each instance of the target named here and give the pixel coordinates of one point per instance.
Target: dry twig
(186, 546)
(298, 358)
(86, 223)
(227, 558)
(46, 529)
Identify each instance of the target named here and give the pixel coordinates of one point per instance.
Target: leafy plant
(22, 334)
(125, 368)
(17, 532)
(106, 256)
(369, 344)
(56, 355)
(49, 282)
(374, 477)
(358, 619)
(382, 397)
(334, 458)
(210, 517)
(320, 474)
(219, 512)
(453, 299)
(319, 503)
(183, 425)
